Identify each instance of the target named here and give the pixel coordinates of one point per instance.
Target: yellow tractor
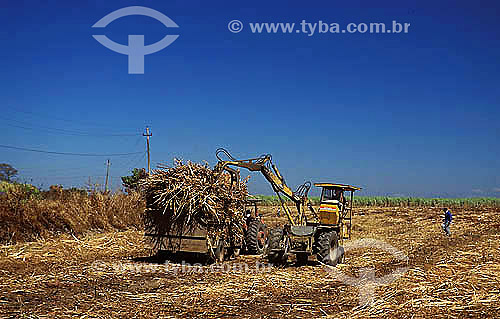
(308, 232)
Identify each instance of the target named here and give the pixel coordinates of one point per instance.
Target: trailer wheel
(256, 237)
(276, 252)
(220, 252)
(301, 258)
(232, 252)
(328, 248)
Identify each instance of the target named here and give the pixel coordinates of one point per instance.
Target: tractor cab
(336, 206)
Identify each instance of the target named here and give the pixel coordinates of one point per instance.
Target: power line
(60, 131)
(48, 130)
(62, 153)
(59, 169)
(61, 177)
(138, 161)
(131, 162)
(38, 115)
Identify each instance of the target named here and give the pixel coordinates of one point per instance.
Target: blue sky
(411, 114)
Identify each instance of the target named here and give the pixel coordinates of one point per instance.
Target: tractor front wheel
(328, 251)
(276, 252)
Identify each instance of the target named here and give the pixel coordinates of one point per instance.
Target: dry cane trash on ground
(448, 277)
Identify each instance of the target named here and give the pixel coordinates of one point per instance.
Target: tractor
(254, 228)
(307, 232)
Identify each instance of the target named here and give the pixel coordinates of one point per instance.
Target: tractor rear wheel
(256, 237)
(328, 248)
(276, 253)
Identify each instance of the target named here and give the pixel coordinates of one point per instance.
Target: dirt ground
(112, 275)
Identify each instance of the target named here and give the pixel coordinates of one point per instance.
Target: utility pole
(148, 134)
(107, 175)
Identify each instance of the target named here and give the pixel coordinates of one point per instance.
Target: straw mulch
(111, 275)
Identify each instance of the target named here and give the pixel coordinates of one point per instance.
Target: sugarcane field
(263, 159)
(398, 262)
(113, 274)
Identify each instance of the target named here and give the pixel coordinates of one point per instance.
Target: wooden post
(107, 176)
(350, 214)
(148, 134)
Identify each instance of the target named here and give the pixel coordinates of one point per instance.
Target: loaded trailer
(207, 239)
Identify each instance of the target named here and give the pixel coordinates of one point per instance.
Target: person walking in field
(447, 221)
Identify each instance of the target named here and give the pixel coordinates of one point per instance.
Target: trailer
(217, 246)
(198, 241)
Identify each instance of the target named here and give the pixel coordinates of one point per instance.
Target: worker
(447, 221)
(338, 195)
(342, 198)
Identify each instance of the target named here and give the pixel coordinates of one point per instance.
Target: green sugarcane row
(383, 201)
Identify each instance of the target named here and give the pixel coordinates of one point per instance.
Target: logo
(366, 282)
(136, 50)
(235, 26)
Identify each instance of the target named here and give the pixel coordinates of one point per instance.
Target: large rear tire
(276, 252)
(328, 251)
(256, 237)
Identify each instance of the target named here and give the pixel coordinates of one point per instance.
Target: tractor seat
(303, 230)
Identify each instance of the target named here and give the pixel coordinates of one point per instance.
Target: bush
(27, 215)
(27, 190)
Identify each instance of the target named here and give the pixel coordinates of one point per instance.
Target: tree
(7, 172)
(132, 182)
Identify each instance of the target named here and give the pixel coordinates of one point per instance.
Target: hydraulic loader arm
(265, 165)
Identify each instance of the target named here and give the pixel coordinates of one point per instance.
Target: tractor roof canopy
(341, 186)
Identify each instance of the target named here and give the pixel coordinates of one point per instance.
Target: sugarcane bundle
(186, 196)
